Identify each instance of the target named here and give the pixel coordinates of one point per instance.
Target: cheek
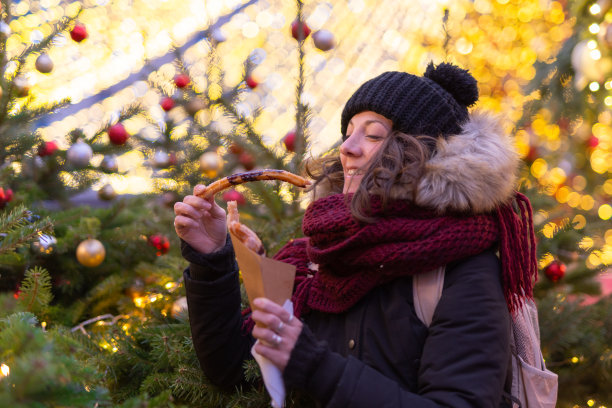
(371, 151)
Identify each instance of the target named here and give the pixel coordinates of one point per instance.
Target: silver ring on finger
(276, 339)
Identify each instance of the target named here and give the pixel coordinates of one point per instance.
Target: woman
(420, 183)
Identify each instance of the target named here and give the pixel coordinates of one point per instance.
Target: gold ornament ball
(90, 253)
(21, 86)
(107, 193)
(210, 164)
(44, 64)
(179, 307)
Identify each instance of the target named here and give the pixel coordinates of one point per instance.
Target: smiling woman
(419, 184)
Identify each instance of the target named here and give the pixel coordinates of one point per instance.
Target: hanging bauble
(233, 195)
(300, 29)
(6, 195)
(44, 64)
(167, 103)
(247, 160)
(324, 40)
(117, 134)
(107, 192)
(181, 80)
(110, 163)
(21, 86)
(78, 32)
(45, 245)
(47, 148)
(555, 271)
(236, 149)
(160, 242)
(179, 307)
(90, 253)
(161, 159)
(251, 82)
(194, 106)
(593, 141)
(210, 164)
(79, 154)
(289, 141)
(218, 36)
(5, 29)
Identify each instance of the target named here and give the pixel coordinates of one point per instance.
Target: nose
(350, 147)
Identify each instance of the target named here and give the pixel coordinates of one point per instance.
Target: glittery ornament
(90, 253)
(79, 154)
(45, 245)
(160, 242)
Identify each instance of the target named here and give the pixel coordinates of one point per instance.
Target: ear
(474, 171)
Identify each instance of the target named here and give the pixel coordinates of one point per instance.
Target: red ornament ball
(47, 149)
(289, 141)
(247, 160)
(251, 83)
(593, 141)
(233, 195)
(159, 242)
(5, 196)
(181, 80)
(117, 134)
(78, 33)
(167, 103)
(555, 271)
(296, 30)
(236, 149)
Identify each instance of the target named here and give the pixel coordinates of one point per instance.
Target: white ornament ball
(218, 35)
(324, 40)
(161, 159)
(5, 30)
(110, 163)
(79, 154)
(44, 64)
(179, 307)
(45, 244)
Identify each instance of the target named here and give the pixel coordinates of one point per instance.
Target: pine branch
(16, 230)
(36, 289)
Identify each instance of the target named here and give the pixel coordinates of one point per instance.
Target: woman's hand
(279, 338)
(200, 222)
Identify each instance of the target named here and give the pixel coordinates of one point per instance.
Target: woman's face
(364, 136)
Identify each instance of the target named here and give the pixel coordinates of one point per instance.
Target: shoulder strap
(426, 292)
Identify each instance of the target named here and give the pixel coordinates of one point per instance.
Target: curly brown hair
(393, 174)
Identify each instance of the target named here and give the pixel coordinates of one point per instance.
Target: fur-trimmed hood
(473, 171)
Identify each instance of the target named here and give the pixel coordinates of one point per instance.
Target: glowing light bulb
(595, 9)
(5, 370)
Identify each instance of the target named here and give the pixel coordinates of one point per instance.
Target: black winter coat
(378, 353)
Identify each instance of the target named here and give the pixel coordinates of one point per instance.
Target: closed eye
(375, 137)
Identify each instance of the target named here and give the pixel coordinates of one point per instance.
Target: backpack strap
(426, 292)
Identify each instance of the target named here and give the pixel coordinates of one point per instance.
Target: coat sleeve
(214, 306)
(464, 360)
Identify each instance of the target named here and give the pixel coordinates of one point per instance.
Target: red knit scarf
(342, 259)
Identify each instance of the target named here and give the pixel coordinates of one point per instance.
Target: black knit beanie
(434, 104)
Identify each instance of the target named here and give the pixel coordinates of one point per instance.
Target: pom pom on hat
(456, 81)
(434, 104)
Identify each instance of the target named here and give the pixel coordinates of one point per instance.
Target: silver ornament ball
(79, 154)
(44, 64)
(324, 40)
(110, 163)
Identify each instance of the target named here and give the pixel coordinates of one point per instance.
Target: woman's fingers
(181, 208)
(268, 306)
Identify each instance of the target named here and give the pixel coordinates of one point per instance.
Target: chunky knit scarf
(341, 259)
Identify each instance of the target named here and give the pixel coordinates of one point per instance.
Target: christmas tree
(110, 312)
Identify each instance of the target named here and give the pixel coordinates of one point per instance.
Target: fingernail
(259, 302)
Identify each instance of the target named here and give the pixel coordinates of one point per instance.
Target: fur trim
(473, 171)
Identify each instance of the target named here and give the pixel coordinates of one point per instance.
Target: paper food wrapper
(265, 277)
